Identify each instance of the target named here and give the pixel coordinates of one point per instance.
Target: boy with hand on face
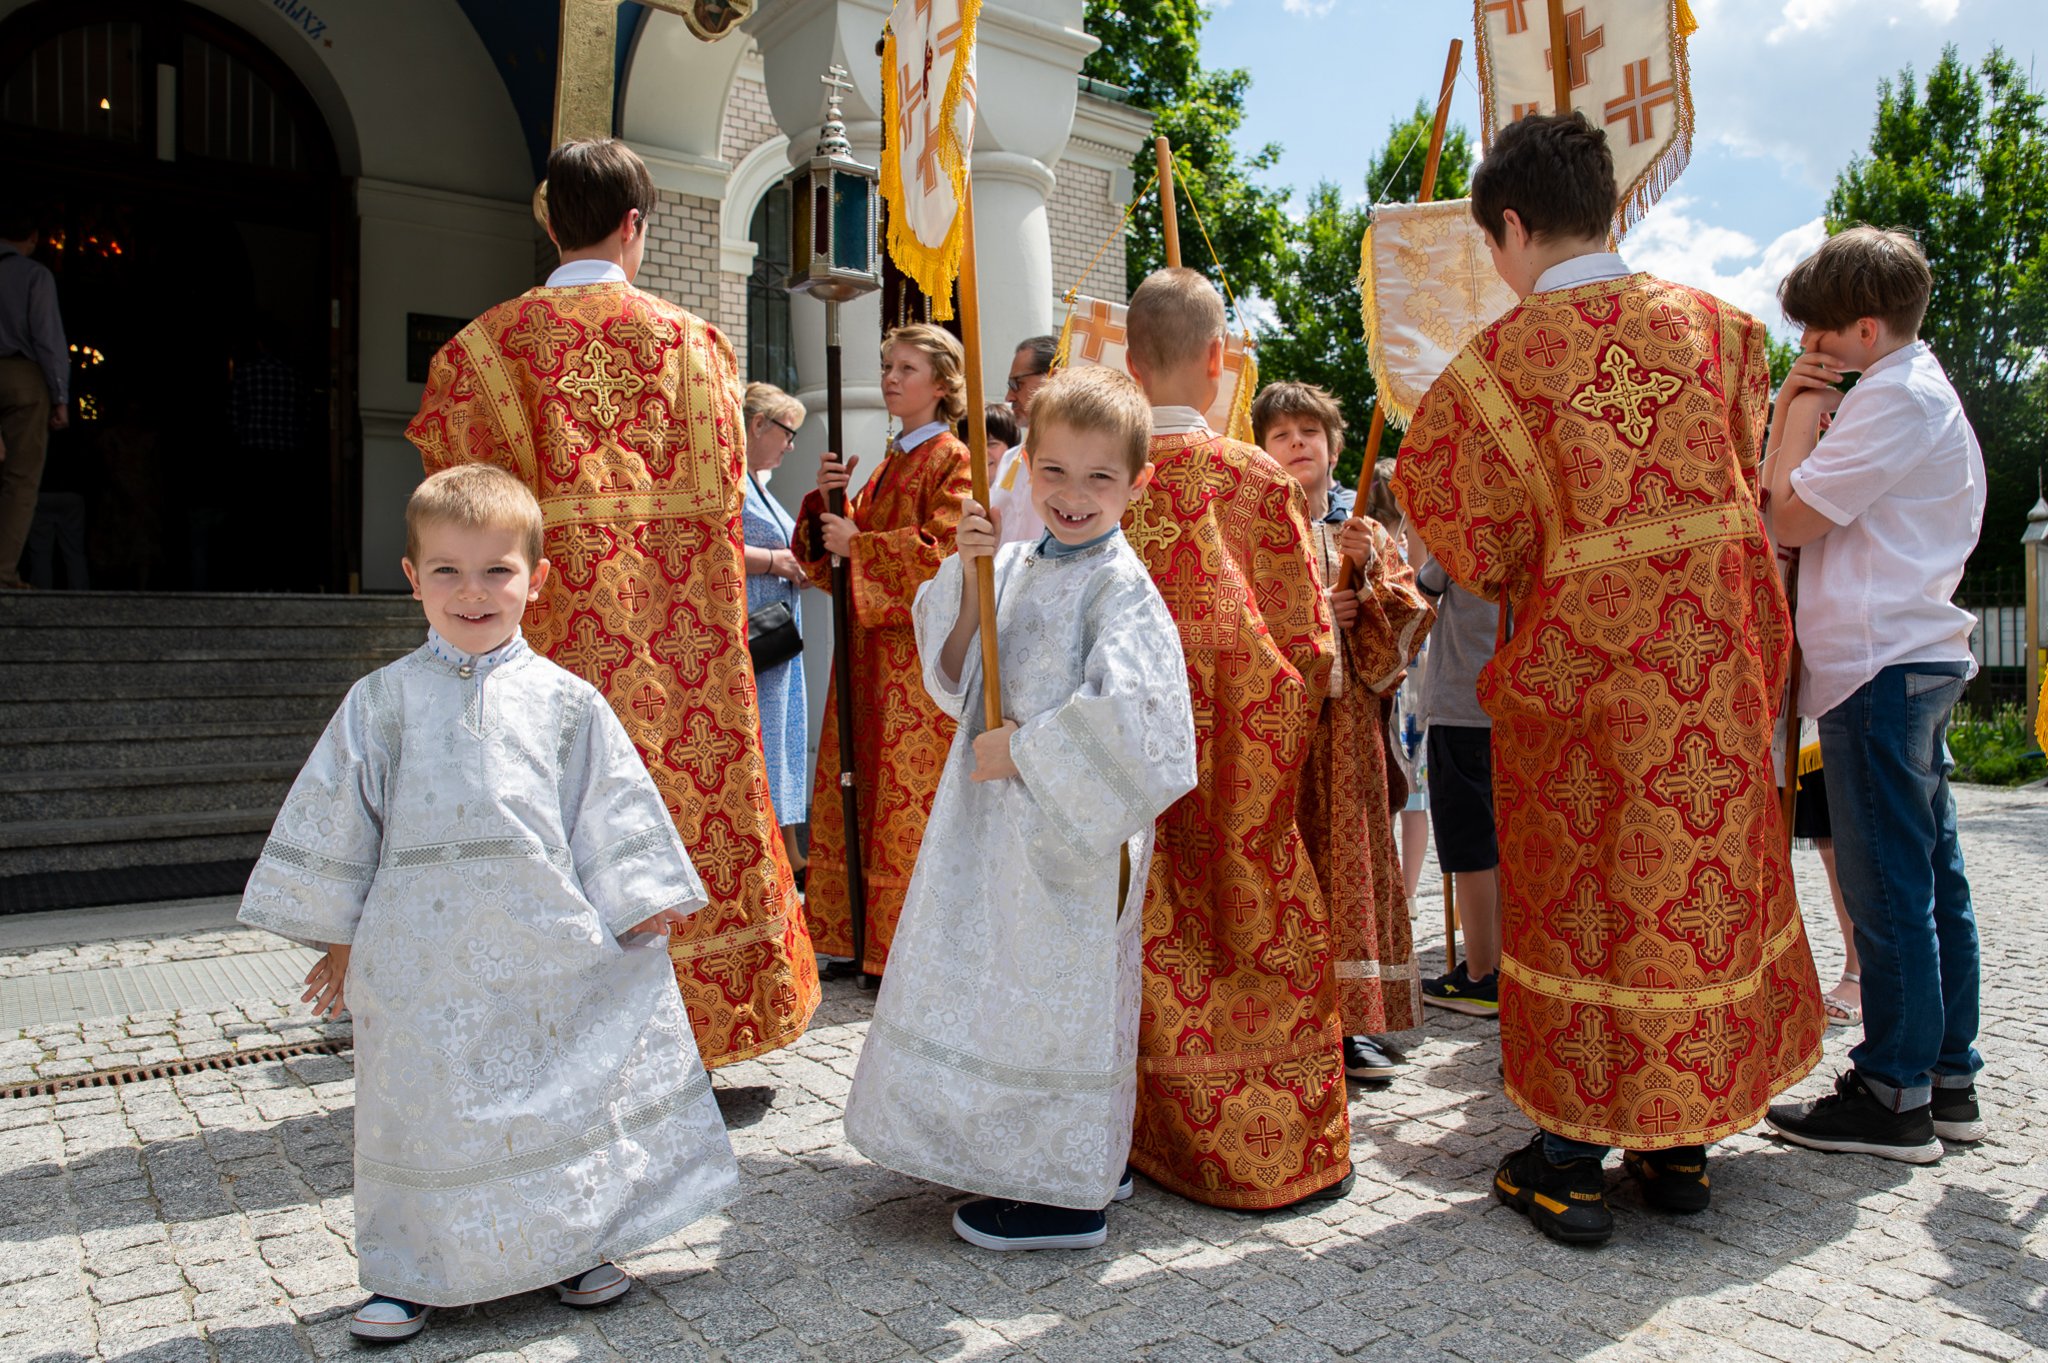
(1885, 511)
(1002, 1056)
(481, 854)
(1380, 622)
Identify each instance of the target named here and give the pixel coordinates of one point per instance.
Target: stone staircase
(144, 736)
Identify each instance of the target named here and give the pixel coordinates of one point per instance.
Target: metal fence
(1999, 640)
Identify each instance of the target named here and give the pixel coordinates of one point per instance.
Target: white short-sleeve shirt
(1900, 475)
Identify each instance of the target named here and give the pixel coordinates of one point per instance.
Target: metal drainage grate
(135, 1074)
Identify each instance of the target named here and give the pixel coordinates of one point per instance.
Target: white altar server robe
(1002, 1058)
(529, 1098)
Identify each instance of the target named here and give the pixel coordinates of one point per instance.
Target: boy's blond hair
(765, 399)
(948, 360)
(1276, 400)
(1172, 319)
(1094, 398)
(474, 497)
(1860, 272)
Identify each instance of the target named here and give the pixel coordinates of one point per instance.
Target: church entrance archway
(204, 247)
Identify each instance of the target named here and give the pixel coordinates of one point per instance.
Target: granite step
(97, 643)
(42, 796)
(157, 745)
(205, 610)
(141, 678)
(219, 704)
(132, 840)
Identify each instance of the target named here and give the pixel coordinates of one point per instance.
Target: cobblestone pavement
(208, 1216)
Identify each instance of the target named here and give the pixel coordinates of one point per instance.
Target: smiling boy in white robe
(483, 857)
(1003, 1054)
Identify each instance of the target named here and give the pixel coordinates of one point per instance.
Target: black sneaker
(1568, 1202)
(1460, 993)
(1366, 1058)
(1956, 1117)
(1671, 1180)
(998, 1224)
(1851, 1120)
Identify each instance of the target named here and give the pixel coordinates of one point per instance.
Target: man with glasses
(1010, 481)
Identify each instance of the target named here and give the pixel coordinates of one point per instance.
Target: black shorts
(1810, 808)
(1461, 797)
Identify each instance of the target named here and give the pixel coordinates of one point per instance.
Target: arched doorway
(190, 206)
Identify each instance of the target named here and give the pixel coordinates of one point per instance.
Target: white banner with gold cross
(1628, 75)
(927, 136)
(1428, 286)
(1094, 334)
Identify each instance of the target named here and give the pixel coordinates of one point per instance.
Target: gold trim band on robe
(1642, 1000)
(612, 508)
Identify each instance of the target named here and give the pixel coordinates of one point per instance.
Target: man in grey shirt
(1459, 763)
(35, 371)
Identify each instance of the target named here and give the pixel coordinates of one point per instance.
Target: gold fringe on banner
(933, 267)
(1398, 413)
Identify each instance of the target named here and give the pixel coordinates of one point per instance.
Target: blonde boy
(1239, 966)
(480, 853)
(1381, 621)
(1011, 1002)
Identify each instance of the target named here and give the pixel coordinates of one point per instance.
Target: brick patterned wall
(1081, 216)
(748, 120)
(682, 254)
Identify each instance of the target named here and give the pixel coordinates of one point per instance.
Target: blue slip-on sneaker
(999, 1224)
(387, 1320)
(1127, 1186)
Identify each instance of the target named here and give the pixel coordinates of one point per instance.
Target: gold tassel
(933, 267)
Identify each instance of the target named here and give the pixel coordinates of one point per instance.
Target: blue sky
(1785, 93)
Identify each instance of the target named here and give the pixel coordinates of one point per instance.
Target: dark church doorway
(191, 207)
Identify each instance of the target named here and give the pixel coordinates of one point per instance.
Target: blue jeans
(1885, 750)
(1563, 1149)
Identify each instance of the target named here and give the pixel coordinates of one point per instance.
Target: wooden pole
(842, 659)
(1347, 571)
(977, 456)
(1169, 215)
(1560, 59)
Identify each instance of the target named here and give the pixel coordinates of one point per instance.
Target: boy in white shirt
(1887, 509)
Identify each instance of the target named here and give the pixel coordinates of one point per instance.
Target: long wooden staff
(1790, 794)
(977, 455)
(1347, 571)
(842, 660)
(1169, 215)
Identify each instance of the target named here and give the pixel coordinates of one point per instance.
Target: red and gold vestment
(1344, 799)
(1241, 1096)
(621, 411)
(1590, 461)
(906, 513)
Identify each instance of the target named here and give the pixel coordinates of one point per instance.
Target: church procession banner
(1628, 74)
(1428, 287)
(1094, 334)
(928, 118)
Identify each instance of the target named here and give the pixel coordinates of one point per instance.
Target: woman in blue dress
(774, 574)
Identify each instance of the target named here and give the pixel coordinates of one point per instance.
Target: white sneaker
(606, 1282)
(388, 1318)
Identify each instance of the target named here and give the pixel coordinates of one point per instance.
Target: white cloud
(1803, 16)
(1673, 243)
(1308, 9)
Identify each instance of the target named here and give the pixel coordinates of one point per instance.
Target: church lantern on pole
(833, 208)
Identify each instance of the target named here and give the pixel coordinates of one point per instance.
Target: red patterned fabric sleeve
(453, 425)
(1749, 399)
(890, 564)
(1393, 617)
(1463, 495)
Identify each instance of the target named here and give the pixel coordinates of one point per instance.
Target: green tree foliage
(1318, 334)
(1153, 49)
(1963, 164)
(1780, 355)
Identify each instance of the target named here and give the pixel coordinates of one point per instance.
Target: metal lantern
(833, 206)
